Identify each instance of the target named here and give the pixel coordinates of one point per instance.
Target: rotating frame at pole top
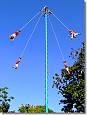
(45, 10)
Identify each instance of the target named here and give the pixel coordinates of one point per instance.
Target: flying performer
(14, 35)
(46, 10)
(66, 67)
(17, 63)
(73, 33)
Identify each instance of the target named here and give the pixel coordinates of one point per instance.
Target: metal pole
(46, 69)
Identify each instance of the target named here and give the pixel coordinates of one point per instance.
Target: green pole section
(46, 69)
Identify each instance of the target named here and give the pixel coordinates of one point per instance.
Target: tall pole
(46, 68)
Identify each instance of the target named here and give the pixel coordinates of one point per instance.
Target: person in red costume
(17, 63)
(73, 33)
(14, 35)
(66, 67)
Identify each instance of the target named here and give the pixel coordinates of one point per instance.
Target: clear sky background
(27, 84)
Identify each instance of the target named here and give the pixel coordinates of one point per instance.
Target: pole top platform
(45, 10)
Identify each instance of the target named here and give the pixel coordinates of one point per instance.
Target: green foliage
(4, 100)
(33, 109)
(72, 87)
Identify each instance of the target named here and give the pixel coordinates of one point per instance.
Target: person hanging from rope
(17, 63)
(15, 34)
(67, 68)
(73, 33)
(46, 10)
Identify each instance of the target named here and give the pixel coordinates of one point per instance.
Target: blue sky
(27, 84)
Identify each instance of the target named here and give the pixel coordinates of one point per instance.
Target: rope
(29, 21)
(57, 40)
(60, 21)
(30, 37)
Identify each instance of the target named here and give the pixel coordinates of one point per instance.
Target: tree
(4, 100)
(33, 109)
(72, 86)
